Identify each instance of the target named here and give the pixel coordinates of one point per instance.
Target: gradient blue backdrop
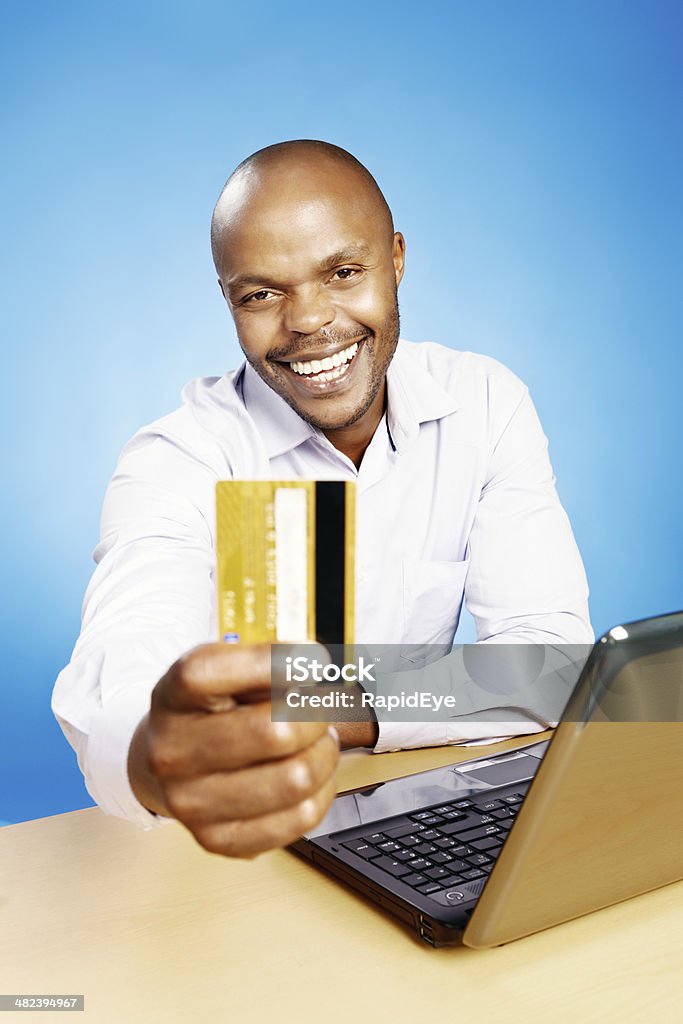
(532, 155)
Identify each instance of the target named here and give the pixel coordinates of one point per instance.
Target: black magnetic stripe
(330, 544)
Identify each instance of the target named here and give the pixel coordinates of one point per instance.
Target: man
(455, 494)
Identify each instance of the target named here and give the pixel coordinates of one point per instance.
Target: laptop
(501, 846)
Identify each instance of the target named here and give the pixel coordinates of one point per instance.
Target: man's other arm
(526, 582)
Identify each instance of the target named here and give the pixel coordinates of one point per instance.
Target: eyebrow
(348, 254)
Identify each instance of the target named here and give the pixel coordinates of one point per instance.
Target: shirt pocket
(432, 598)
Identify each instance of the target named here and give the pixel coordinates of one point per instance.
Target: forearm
(357, 734)
(358, 727)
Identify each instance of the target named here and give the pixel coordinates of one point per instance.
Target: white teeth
(322, 367)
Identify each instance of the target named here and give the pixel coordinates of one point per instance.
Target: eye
(260, 296)
(345, 273)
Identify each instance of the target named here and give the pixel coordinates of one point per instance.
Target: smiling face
(310, 266)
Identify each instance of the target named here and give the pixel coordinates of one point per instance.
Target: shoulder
(468, 377)
(209, 432)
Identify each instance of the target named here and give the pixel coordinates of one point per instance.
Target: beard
(380, 347)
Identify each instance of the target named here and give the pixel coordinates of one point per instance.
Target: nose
(308, 310)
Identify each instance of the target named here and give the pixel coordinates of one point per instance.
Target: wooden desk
(153, 929)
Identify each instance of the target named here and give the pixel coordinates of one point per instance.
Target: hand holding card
(209, 755)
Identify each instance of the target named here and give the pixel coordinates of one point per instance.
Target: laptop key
(419, 864)
(425, 848)
(487, 805)
(368, 853)
(410, 840)
(485, 844)
(516, 798)
(415, 879)
(508, 823)
(479, 833)
(503, 812)
(375, 838)
(393, 867)
(463, 803)
(460, 850)
(458, 866)
(404, 855)
(444, 844)
(429, 888)
(420, 816)
(434, 819)
(389, 846)
(473, 873)
(477, 860)
(429, 835)
(451, 880)
(440, 857)
(437, 873)
(362, 848)
(355, 844)
(450, 828)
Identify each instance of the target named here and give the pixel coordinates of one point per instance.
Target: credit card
(286, 560)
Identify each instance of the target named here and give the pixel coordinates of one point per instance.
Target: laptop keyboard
(443, 846)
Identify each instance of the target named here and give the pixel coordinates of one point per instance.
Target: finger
(256, 791)
(186, 745)
(247, 838)
(215, 677)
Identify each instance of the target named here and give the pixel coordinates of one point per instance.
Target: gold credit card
(286, 560)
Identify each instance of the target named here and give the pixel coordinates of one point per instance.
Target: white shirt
(455, 497)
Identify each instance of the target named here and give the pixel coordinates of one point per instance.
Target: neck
(353, 441)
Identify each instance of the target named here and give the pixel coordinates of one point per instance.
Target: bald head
(290, 174)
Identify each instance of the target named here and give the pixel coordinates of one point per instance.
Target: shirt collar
(279, 427)
(413, 397)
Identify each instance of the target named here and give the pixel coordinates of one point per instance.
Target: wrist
(144, 784)
(357, 734)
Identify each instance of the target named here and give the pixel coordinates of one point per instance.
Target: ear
(220, 285)
(399, 256)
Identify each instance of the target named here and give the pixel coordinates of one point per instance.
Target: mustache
(323, 339)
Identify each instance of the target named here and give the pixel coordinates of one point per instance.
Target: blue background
(531, 153)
